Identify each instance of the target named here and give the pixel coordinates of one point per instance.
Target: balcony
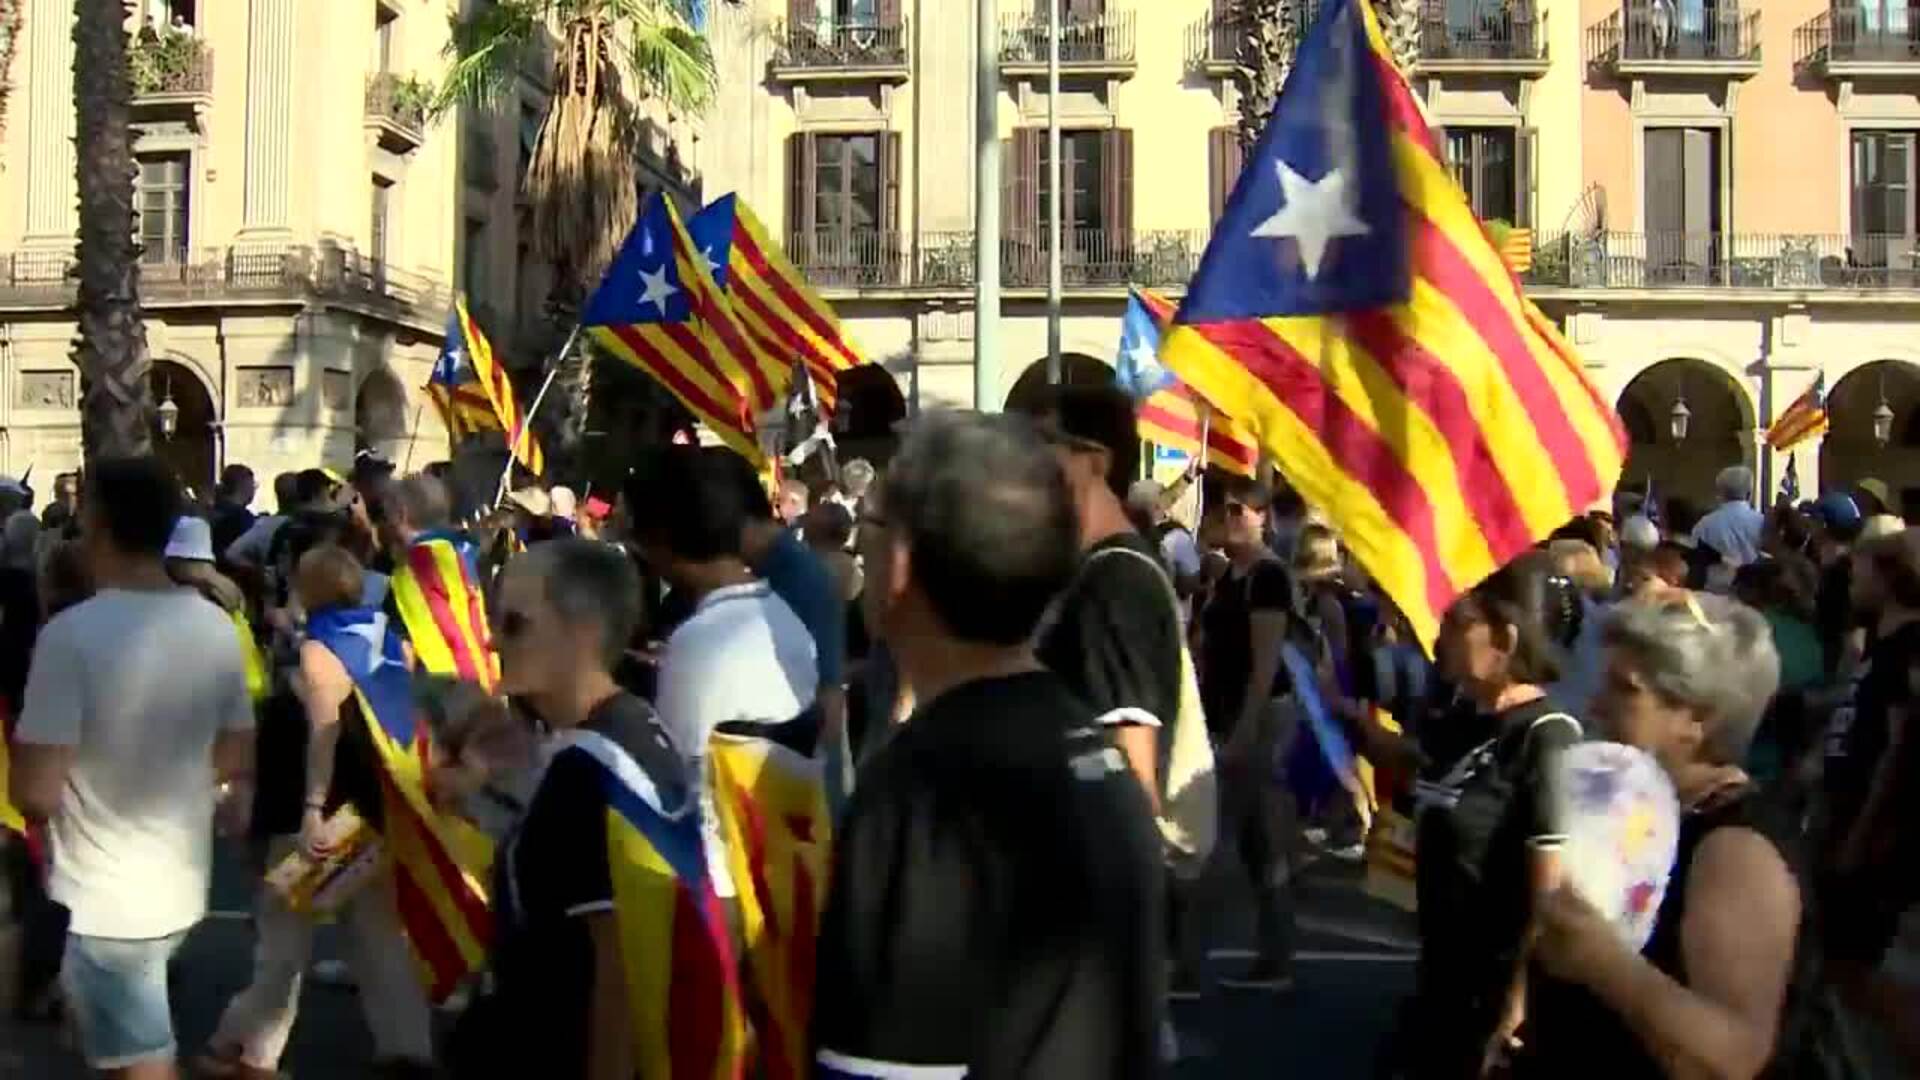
(1491, 39)
(397, 111)
(1090, 258)
(1097, 46)
(1658, 37)
(294, 274)
(1216, 45)
(851, 259)
(840, 50)
(1797, 262)
(170, 70)
(1852, 41)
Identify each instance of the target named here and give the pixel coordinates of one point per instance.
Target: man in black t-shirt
(566, 610)
(995, 906)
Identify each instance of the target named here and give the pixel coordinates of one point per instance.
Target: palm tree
(582, 182)
(1270, 31)
(1400, 25)
(111, 352)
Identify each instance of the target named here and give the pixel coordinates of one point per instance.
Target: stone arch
(1849, 453)
(1719, 428)
(869, 406)
(190, 451)
(1076, 369)
(382, 414)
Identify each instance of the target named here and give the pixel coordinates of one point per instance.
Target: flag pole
(515, 439)
(986, 209)
(1200, 466)
(1053, 193)
(413, 436)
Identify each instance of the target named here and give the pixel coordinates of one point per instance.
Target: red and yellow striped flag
(1802, 420)
(772, 805)
(492, 378)
(781, 313)
(437, 592)
(1354, 315)
(1171, 417)
(659, 309)
(455, 390)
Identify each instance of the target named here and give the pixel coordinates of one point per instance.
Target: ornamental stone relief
(45, 390)
(264, 387)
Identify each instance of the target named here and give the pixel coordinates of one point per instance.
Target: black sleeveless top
(1570, 1032)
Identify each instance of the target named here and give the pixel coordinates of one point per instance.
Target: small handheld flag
(1790, 482)
(1169, 416)
(455, 389)
(1804, 419)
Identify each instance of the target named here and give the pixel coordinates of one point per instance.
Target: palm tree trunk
(1400, 25)
(111, 352)
(1270, 31)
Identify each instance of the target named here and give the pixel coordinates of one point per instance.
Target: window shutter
(888, 12)
(1225, 156)
(1701, 170)
(1026, 167)
(1664, 197)
(800, 12)
(802, 170)
(1526, 149)
(889, 223)
(1116, 205)
(1899, 168)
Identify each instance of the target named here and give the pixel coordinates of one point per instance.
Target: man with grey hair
(1001, 775)
(565, 613)
(1733, 528)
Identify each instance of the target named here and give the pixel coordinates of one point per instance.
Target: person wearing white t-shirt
(136, 719)
(743, 655)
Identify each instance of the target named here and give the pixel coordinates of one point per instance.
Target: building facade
(305, 225)
(1717, 202)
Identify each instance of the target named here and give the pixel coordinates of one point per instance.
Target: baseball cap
(1836, 510)
(192, 540)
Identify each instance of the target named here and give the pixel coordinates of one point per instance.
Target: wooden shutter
(1701, 169)
(1662, 183)
(1897, 168)
(1525, 171)
(888, 12)
(802, 170)
(1225, 155)
(800, 12)
(1116, 203)
(889, 223)
(1026, 183)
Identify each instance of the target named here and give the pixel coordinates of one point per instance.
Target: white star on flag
(712, 264)
(656, 288)
(1315, 213)
(1146, 365)
(374, 633)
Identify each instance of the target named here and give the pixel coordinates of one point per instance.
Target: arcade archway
(1852, 450)
(381, 419)
(1076, 369)
(188, 449)
(868, 408)
(1682, 456)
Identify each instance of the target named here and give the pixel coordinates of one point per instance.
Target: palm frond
(665, 56)
(486, 51)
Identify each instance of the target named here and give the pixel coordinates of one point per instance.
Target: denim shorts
(117, 991)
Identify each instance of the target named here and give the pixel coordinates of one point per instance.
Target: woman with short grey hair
(1721, 987)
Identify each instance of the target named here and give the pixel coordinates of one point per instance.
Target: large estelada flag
(439, 862)
(493, 379)
(659, 309)
(1168, 414)
(436, 589)
(1802, 420)
(1352, 312)
(455, 390)
(683, 988)
(782, 314)
(772, 804)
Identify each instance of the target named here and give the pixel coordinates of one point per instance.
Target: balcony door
(1883, 200)
(1096, 206)
(1494, 166)
(163, 194)
(1682, 186)
(844, 201)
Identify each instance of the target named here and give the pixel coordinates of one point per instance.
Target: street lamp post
(986, 210)
(1053, 193)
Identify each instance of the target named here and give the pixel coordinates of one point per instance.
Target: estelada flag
(683, 988)
(440, 863)
(786, 319)
(493, 379)
(455, 389)
(436, 589)
(772, 805)
(659, 309)
(1803, 419)
(1352, 312)
(1168, 414)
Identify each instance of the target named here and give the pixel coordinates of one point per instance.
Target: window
(1883, 195)
(473, 258)
(846, 185)
(377, 235)
(383, 29)
(843, 200)
(1682, 202)
(163, 208)
(1082, 195)
(1487, 164)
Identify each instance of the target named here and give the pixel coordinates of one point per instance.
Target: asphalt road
(1355, 964)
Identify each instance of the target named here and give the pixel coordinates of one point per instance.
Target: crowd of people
(1043, 708)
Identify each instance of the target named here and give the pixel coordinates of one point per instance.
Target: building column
(51, 211)
(270, 61)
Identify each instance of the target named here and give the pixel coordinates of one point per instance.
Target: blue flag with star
(1315, 224)
(711, 231)
(451, 368)
(365, 642)
(643, 285)
(1137, 367)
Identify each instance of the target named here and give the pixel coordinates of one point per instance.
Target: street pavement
(1355, 965)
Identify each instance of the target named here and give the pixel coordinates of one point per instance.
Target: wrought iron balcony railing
(840, 44)
(853, 258)
(169, 62)
(1097, 42)
(1860, 34)
(1686, 30)
(298, 273)
(398, 105)
(1488, 31)
(1713, 260)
